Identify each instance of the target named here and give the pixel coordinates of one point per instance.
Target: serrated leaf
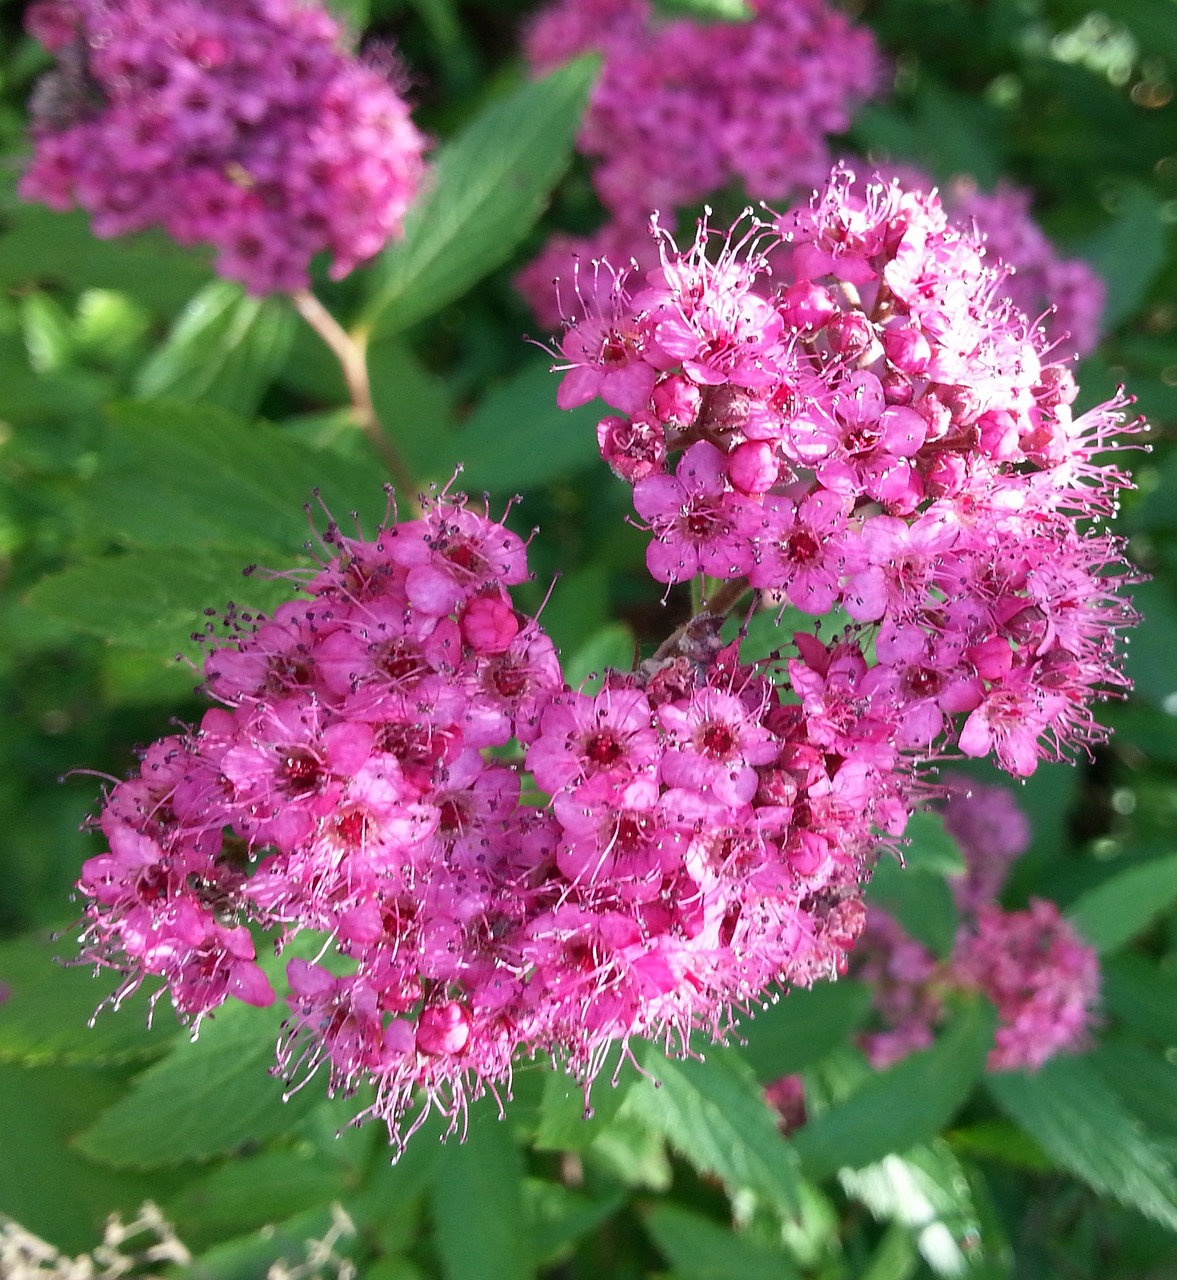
(907, 1104)
(924, 1190)
(518, 438)
(203, 1099)
(1116, 911)
(713, 1113)
(47, 1009)
(154, 597)
(1144, 1081)
(699, 1248)
(176, 474)
(802, 1027)
(489, 185)
(477, 1204)
(224, 349)
(1077, 1120)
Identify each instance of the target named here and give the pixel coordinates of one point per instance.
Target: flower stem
(351, 352)
(716, 609)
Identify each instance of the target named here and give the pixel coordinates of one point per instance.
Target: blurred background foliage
(159, 431)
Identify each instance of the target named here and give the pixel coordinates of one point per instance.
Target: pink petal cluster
(484, 861)
(1064, 295)
(244, 125)
(682, 109)
(841, 410)
(1031, 964)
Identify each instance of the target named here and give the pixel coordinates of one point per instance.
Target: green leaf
(477, 1203)
(698, 1248)
(1116, 911)
(557, 1217)
(925, 1191)
(204, 1099)
(706, 10)
(565, 1124)
(45, 1183)
(517, 438)
(39, 244)
(612, 646)
(895, 1257)
(930, 848)
(489, 185)
(907, 1104)
(154, 598)
(175, 474)
(247, 1193)
(414, 408)
(802, 1027)
(1129, 252)
(224, 350)
(1077, 1120)
(714, 1114)
(921, 902)
(1144, 1081)
(1142, 996)
(46, 1013)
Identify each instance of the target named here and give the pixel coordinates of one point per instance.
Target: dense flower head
(1065, 296)
(244, 125)
(479, 860)
(841, 409)
(1041, 976)
(682, 109)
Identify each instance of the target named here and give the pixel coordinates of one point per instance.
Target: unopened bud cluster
(243, 125)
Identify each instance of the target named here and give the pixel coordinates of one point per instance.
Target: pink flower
(246, 127)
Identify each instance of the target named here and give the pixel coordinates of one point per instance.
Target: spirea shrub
(488, 863)
(244, 125)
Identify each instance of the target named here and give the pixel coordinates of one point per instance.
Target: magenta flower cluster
(486, 861)
(1066, 293)
(682, 109)
(840, 412)
(244, 125)
(1043, 979)
(1063, 295)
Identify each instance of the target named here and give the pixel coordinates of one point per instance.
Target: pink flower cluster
(683, 109)
(876, 434)
(244, 125)
(485, 861)
(1064, 295)
(1042, 977)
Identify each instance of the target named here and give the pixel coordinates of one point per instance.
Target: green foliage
(489, 185)
(713, 1114)
(1077, 1120)
(907, 1104)
(202, 1099)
